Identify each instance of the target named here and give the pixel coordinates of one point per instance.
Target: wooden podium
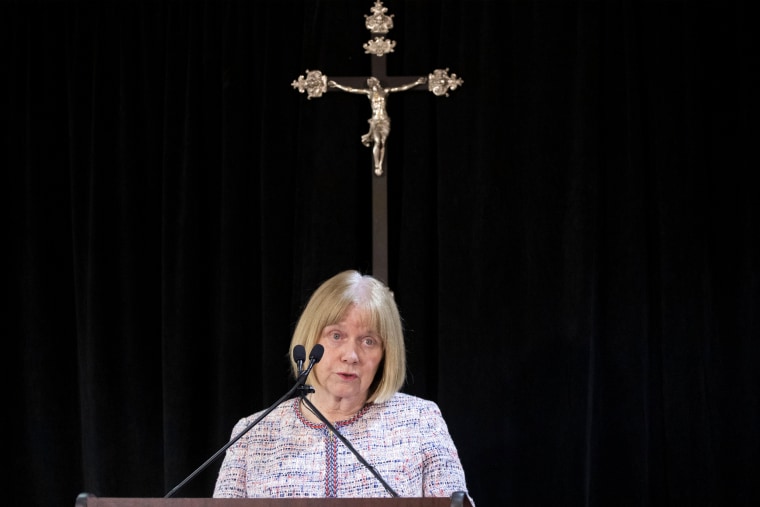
(457, 499)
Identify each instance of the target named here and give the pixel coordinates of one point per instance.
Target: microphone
(299, 356)
(345, 441)
(314, 357)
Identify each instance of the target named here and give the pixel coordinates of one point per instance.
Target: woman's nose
(348, 352)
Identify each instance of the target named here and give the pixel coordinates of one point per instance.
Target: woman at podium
(350, 432)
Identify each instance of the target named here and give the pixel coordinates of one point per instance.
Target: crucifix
(377, 88)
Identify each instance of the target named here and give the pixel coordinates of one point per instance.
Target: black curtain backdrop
(574, 236)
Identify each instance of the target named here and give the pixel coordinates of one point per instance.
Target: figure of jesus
(380, 122)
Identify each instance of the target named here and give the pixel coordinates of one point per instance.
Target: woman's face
(353, 353)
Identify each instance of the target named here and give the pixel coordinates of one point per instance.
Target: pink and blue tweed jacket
(405, 439)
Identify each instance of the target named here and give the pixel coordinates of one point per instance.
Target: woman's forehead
(356, 315)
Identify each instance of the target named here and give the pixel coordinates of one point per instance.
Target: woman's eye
(336, 336)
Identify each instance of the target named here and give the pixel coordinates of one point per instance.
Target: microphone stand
(345, 441)
(299, 386)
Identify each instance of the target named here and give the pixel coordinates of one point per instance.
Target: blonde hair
(329, 304)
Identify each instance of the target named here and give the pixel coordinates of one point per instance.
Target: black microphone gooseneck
(314, 357)
(343, 439)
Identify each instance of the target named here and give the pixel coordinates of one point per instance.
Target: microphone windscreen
(316, 353)
(299, 353)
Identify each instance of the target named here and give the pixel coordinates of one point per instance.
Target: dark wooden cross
(377, 88)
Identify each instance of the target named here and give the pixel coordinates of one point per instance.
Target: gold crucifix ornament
(314, 83)
(377, 87)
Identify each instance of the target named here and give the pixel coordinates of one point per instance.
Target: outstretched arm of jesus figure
(419, 81)
(349, 89)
